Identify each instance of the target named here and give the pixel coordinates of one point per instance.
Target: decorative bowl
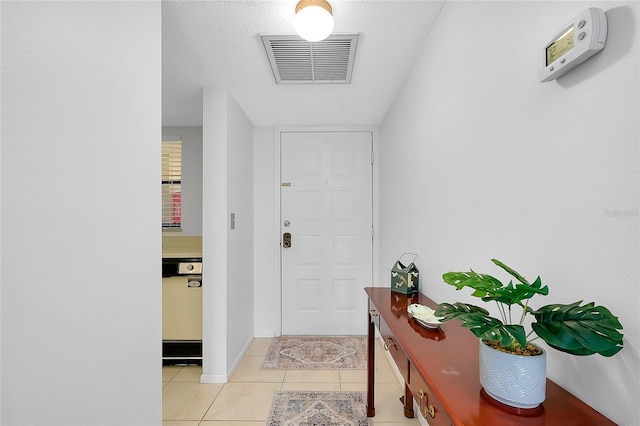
(423, 315)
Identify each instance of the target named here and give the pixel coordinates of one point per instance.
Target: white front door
(326, 207)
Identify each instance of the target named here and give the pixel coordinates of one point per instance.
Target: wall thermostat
(581, 38)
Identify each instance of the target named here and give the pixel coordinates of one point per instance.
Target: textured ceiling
(217, 44)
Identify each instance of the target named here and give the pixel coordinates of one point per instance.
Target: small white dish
(423, 315)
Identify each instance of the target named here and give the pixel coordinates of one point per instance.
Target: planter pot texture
(516, 380)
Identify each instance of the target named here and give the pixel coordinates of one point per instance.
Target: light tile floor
(246, 399)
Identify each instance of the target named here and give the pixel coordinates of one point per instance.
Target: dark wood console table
(440, 369)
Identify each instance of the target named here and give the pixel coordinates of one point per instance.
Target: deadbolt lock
(286, 240)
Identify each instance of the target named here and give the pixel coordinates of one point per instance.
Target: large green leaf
(518, 333)
(489, 288)
(478, 321)
(510, 294)
(579, 330)
(482, 283)
(510, 271)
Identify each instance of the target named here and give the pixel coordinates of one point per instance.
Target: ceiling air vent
(297, 61)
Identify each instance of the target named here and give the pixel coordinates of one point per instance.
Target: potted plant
(506, 348)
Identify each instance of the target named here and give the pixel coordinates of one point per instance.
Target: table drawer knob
(388, 341)
(428, 410)
(425, 408)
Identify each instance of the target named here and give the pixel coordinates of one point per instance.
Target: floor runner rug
(317, 353)
(311, 408)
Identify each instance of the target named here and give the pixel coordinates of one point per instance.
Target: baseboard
(220, 378)
(239, 358)
(213, 378)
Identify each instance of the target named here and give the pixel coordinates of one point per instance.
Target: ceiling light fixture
(314, 19)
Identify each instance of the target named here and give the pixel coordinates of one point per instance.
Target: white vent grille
(294, 60)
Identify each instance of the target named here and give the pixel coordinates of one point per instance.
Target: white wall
(480, 160)
(240, 279)
(266, 243)
(227, 254)
(214, 236)
(191, 138)
(80, 223)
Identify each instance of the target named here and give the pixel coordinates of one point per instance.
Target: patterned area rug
(310, 408)
(317, 353)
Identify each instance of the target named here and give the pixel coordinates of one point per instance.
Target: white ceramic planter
(515, 380)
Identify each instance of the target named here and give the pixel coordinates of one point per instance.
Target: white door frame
(277, 291)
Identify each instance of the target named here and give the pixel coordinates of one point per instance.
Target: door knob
(286, 240)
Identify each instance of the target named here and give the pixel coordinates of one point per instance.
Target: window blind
(171, 184)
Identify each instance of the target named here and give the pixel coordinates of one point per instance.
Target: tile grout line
(345, 380)
(211, 405)
(201, 421)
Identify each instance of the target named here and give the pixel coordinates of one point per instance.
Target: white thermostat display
(576, 42)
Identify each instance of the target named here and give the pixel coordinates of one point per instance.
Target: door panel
(326, 201)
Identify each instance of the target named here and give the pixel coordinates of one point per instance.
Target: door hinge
(373, 232)
(372, 157)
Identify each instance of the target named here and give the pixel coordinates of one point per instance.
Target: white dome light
(313, 21)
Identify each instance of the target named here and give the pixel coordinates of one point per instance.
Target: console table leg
(408, 402)
(371, 356)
